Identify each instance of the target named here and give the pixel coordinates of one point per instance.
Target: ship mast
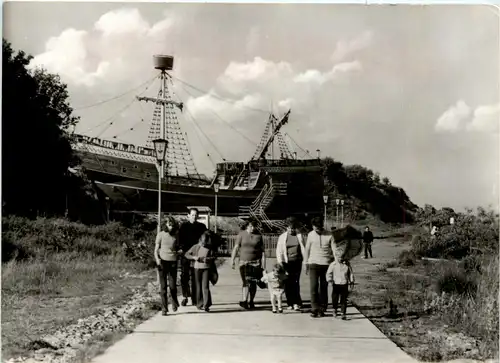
(268, 140)
(163, 79)
(165, 125)
(272, 133)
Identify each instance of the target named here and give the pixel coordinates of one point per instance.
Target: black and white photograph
(250, 182)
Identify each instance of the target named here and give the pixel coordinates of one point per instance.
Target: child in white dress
(275, 281)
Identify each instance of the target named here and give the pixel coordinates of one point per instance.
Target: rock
(53, 341)
(44, 351)
(62, 345)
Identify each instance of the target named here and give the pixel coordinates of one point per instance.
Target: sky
(409, 91)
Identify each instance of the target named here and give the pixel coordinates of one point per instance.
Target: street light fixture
(342, 209)
(216, 189)
(337, 202)
(160, 146)
(325, 201)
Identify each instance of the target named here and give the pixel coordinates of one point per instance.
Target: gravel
(63, 345)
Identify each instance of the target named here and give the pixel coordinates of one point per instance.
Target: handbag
(213, 274)
(261, 283)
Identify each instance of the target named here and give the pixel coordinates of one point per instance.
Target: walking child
(340, 275)
(276, 284)
(203, 257)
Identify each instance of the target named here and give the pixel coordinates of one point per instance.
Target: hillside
(366, 194)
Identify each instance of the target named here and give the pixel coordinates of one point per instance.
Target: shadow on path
(308, 336)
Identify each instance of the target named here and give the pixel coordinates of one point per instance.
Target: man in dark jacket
(367, 241)
(189, 235)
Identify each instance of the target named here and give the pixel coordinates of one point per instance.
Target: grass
(422, 320)
(57, 272)
(60, 271)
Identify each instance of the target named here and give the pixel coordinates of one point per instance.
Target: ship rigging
(264, 185)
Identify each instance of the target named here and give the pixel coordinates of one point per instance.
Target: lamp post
(216, 189)
(337, 202)
(325, 200)
(342, 212)
(160, 146)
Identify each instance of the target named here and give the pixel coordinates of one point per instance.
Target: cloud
(452, 119)
(345, 48)
(113, 48)
(122, 22)
(315, 76)
(211, 106)
(254, 84)
(258, 71)
(484, 118)
(258, 82)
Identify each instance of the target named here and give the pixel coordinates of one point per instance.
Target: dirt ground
(423, 336)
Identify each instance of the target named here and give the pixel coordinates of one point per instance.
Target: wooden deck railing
(270, 241)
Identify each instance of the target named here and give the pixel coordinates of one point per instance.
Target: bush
(407, 258)
(11, 251)
(455, 282)
(468, 301)
(472, 263)
(471, 234)
(23, 238)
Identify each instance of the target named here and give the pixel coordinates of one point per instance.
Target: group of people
(317, 252)
(192, 244)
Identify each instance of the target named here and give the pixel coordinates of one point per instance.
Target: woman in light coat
(290, 252)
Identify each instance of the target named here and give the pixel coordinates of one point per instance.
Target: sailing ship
(265, 188)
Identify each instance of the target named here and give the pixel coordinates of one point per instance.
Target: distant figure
(340, 275)
(367, 241)
(189, 235)
(318, 256)
(203, 257)
(434, 231)
(290, 253)
(166, 253)
(275, 283)
(249, 246)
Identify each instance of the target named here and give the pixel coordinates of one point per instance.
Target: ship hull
(132, 186)
(142, 196)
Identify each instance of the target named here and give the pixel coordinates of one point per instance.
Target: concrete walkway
(229, 334)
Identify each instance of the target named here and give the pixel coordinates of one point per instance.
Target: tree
(36, 116)
(333, 172)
